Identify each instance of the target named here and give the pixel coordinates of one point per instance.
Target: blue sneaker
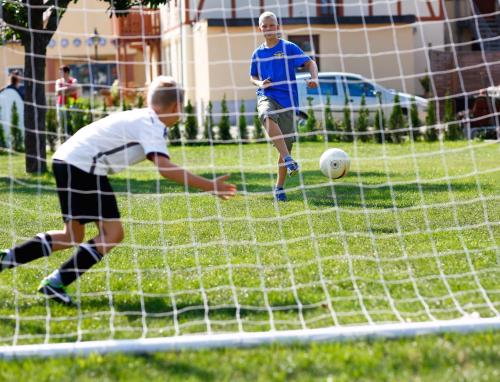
(292, 167)
(279, 194)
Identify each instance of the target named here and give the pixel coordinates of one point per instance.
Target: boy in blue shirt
(273, 72)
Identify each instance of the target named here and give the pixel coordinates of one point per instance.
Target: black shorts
(84, 197)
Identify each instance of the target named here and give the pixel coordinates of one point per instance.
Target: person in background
(67, 91)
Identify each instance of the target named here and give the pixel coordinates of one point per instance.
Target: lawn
(411, 234)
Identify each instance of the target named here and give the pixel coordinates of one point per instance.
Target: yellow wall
(12, 56)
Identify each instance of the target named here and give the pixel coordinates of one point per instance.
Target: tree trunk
(34, 109)
(35, 48)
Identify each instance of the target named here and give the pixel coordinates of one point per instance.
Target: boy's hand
(222, 189)
(265, 84)
(312, 83)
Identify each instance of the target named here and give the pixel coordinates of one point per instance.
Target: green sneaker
(56, 292)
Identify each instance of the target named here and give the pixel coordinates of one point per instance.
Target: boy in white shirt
(81, 166)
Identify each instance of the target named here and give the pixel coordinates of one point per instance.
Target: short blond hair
(267, 15)
(164, 91)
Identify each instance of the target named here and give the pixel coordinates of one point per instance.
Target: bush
(208, 132)
(16, 135)
(258, 132)
(379, 122)
(224, 125)
(346, 123)
(51, 126)
(364, 115)
(431, 133)
(190, 125)
(330, 125)
(414, 121)
(242, 124)
(396, 121)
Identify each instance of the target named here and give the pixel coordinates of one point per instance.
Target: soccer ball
(334, 163)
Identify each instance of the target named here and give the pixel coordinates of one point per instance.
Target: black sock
(39, 246)
(85, 256)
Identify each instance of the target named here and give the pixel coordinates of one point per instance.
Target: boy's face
(269, 27)
(170, 114)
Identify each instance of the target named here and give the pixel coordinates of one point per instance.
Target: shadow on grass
(347, 194)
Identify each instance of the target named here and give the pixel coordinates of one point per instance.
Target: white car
(339, 85)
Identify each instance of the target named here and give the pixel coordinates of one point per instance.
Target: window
(358, 88)
(325, 7)
(309, 44)
(326, 86)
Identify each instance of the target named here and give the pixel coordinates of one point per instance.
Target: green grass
(411, 233)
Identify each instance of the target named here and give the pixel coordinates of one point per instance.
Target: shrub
(364, 115)
(346, 123)
(431, 133)
(396, 121)
(258, 132)
(311, 122)
(16, 135)
(330, 125)
(208, 132)
(414, 121)
(174, 135)
(224, 125)
(452, 131)
(190, 125)
(242, 124)
(51, 126)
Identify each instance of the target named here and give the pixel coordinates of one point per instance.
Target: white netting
(407, 243)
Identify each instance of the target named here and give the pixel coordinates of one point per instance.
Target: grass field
(411, 234)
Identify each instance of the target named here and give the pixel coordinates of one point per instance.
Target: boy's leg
(84, 257)
(276, 136)
(42, 244)
(90, 253)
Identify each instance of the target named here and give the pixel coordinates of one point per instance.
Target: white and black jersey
(111, 144)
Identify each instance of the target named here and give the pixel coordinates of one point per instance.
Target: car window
(326, 86)
(356, 87)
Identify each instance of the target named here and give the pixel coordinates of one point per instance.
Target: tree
(16, 135)
(415, 122)
(330, 125)
(224, 125)
(242, 124)
(431, 134)
(34, 22)
(190, 125)
(208, 132)
(364, 114)
(396, 121)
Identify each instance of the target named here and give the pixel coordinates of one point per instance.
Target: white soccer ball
(334, 163)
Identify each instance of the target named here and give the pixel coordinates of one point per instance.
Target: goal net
(406, 243)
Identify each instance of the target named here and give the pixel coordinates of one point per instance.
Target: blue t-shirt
(278, 64)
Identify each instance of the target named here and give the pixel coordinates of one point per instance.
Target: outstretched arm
(171, 171)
